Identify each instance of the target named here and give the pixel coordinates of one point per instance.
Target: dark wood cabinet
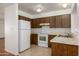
(34, 39)
(60, 21)
(59, 49)
(35, 23)
(32, 23)
(46, 19)
(72, 50)
(63, 21)
(52, 21)
(56, 49)
(66, 22)
(49, 38)
(23, 18)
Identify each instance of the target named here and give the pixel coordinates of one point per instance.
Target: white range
(43, 36)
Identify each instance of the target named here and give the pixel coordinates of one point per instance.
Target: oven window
(42, 38)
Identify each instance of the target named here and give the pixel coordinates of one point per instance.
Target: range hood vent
(44, 24)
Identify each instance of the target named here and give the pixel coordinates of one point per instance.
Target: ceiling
(31, 7)
(47, 7)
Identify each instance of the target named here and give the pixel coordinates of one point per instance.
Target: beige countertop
(65, 40)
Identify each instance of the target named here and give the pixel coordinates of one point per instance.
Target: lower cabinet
(49, 38)
(34, 39)
(58, 49)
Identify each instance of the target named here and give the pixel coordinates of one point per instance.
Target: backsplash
(51, 30)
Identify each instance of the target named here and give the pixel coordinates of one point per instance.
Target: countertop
(66, 40)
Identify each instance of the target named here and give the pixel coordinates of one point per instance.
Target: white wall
(75, 20)
(11, 29)
(1, 28)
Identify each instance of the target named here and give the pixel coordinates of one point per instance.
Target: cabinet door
(72, 50)
(52, 22)
(37, 21)
(34, 39)
(46, 19)
(49, 38)
(32, 23)
(58, 21)
(57, 49)
(41, 20)
(65, 50)
(66, 21)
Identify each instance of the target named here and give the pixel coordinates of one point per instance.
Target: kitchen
(42, 28)
(48, 31)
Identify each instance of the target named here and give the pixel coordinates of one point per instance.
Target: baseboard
(14, 53)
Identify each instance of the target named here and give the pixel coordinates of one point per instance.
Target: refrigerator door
(28, 25)
(24, 40)
(24, 24)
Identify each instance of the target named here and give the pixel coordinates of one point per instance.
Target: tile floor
(37, 51)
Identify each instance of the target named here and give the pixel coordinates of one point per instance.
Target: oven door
(43, 38)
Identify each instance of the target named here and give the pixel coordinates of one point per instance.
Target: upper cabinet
(63, 21)
(60, 21)
(52, 21)
(66, 22)
(35, 23)
(23, 18)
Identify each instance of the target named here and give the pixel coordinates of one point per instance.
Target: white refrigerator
(24, 35)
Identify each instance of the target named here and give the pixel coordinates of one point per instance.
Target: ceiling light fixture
(64, 5)
(38, 9)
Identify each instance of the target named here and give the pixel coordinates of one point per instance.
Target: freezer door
(24, 40)
(28, 25)
(24, 24)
